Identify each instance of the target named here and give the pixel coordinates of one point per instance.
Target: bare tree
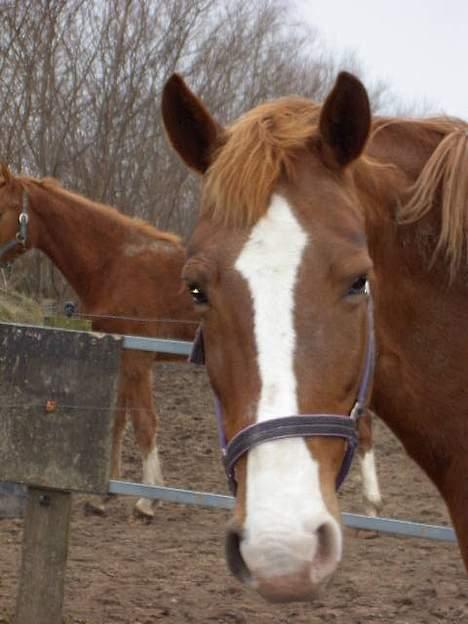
(80, 82)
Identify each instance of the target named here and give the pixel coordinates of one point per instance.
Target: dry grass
(16, 308)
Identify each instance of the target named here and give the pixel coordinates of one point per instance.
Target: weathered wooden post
(56, 420)
(12, 495)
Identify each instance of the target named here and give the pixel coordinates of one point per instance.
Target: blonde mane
(442, 182)
(265, 143)
(261, 146)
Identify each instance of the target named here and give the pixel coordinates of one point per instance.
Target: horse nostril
(326, 541)
(328, 551)
(234, 559)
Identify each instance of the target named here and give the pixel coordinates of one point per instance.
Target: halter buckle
(357, 411)
(23, 221)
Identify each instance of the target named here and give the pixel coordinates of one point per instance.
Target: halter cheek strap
(22, 233)
(294, 426)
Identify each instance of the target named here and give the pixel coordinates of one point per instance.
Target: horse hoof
(95, 509)
(369, 535)
(364, 534)
(373, 508)
(144, 508)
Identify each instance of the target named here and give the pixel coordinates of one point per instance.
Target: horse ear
(6, 174)
(345, 121)
(191, 129)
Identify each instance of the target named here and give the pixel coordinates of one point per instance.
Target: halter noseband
(296, 426)
(21, 236)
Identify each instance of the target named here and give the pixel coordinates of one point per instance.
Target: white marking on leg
(284, 503)
(152, 475)
(370, 482)
(152, 472)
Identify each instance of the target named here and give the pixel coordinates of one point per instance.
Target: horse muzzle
(286, 565)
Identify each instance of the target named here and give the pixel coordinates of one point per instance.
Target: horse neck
(383, 180)
(398, 155)
(420, 375)
(79, 239)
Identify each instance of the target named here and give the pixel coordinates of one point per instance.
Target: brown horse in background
(123, 267)
(302, 205)
(118, 266)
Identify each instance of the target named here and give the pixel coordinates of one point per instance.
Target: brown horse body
(119, 267)
(296, 215)
(418, 206)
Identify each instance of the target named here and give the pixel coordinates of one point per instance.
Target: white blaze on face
(284, 504)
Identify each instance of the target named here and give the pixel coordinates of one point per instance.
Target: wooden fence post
(12, 495)
(45, 549)
(58, 389)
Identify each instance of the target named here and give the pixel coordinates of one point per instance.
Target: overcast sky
(419, 47)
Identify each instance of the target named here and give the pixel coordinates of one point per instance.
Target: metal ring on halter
(21, 236)
(23, 221)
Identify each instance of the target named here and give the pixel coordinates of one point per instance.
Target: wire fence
(187, 497)
(207, 499)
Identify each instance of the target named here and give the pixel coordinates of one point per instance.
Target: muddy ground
(123, 570)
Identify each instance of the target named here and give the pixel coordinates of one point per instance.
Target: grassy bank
(16, 308)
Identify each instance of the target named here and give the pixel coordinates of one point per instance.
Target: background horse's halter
(21, 236)
(297, 426)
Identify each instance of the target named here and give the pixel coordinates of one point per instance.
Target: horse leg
(370, 483)
(144, 419)
(120, 420)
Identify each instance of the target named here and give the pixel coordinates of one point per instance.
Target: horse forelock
(259, 147)
(266, 142)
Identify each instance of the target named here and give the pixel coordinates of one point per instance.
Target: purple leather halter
(22, 233)
(303, 425)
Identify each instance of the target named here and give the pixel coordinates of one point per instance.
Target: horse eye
(360, 286)
(198, 296)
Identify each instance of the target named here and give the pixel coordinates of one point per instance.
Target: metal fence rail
(161, 345)
(220, 501)
(206, 499)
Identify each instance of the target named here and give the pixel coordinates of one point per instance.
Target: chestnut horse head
(278, 268)
(14, 217)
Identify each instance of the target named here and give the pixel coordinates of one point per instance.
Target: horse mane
(265, 143)
(443, 181)
(52, 185)
(259, 147)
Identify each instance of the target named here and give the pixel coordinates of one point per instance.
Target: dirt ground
(125, 570)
